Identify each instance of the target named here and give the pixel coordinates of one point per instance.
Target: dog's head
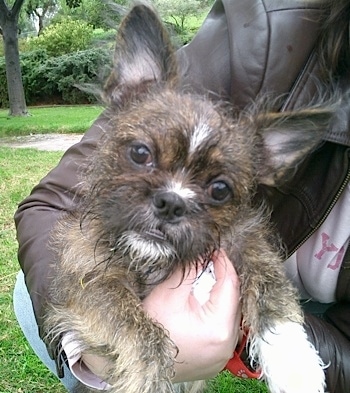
(175, 172)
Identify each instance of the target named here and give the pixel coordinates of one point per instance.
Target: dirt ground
(51, 142)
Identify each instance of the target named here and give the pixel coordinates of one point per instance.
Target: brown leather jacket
(244, 49)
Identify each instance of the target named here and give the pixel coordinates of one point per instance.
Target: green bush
(65, 36)
(34, 81)
(80, 68)
(49, 80)
(103, 36)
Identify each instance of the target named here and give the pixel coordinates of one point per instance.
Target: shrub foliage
(58, 80)
(66, 36)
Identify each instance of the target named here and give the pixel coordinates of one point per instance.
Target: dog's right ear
(287, 139)
(143, 56)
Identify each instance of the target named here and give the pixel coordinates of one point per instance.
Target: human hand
(206, 335)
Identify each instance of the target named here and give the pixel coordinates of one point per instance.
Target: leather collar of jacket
(299, 207)
(339, 130)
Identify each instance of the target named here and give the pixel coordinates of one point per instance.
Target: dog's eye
(141, 155)
(219, 191)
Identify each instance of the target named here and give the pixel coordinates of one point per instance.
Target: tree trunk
(9, 25)
(40, 20)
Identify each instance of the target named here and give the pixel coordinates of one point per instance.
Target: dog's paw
(289, 362)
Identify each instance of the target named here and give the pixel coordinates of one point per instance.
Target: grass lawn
(56, 119)
(20, 370)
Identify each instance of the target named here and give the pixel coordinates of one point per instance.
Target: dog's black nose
(169, 206)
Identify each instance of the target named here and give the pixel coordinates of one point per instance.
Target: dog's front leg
(278, 341)
(107, 319)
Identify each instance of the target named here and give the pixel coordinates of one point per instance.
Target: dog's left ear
(286, 139)
(143, 55)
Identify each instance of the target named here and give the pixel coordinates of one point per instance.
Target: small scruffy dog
(173, 180)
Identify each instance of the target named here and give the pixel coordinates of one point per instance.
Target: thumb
(226, 290)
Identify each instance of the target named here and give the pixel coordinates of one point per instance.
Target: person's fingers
(178, 291)
(174, 292)
(223, 266)
(223, 307)
(207, 334)
(226, 290)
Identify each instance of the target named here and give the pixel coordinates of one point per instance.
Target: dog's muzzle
(169, 206)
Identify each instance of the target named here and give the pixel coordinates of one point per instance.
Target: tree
(179, 10)
(9, 17)
(39, 10)
(97, 13)
(9, 27)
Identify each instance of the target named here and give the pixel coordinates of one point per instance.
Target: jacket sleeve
(333, 345)
(37, 214)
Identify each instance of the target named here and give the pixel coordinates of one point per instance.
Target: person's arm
(37, 214)
(333, 345)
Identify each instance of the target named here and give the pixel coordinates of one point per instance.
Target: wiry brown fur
(116, 245)
(334, 48)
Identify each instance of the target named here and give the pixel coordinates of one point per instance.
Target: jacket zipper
(330, 207)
